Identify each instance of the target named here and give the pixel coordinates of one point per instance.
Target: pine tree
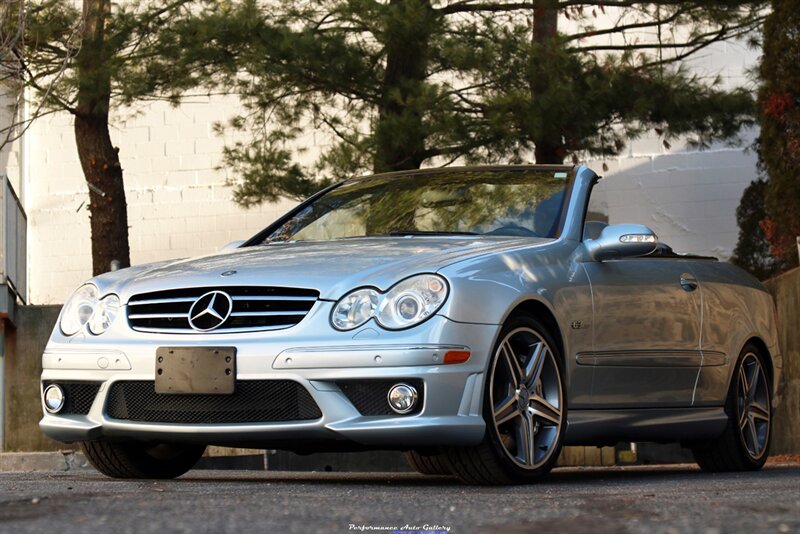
(779, 142)
(752, 251)
(84, 62)
(403, 83)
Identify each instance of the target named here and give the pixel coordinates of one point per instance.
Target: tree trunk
(400, 133)
(99, 158)
(549, 147)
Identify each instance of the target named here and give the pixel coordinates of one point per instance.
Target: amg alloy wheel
(524, 410)
(745, 444)
(142, 460)
(752, 406)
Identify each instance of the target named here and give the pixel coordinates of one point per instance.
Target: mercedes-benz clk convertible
(471, 317)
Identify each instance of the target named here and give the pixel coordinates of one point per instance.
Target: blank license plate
(206, 370)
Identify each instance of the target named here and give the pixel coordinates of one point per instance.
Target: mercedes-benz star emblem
(210, 311)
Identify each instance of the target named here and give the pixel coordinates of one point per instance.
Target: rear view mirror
(622, 241)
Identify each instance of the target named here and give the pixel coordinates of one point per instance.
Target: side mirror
(233, 245)
(622, 241)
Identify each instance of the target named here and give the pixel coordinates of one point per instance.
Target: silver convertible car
(472, 317)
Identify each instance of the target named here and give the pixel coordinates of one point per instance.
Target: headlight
(406, 304)
(79, 309)
(412, 301)
(355, 309)
(104, 314)
(84, 307)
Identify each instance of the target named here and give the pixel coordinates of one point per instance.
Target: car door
(646, 333)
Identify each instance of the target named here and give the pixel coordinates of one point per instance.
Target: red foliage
(781, 242)
(777, 104)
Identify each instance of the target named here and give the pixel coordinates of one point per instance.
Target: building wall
(10, 152)
(786, 430)
(24, 343)
(688, 198)
(179, 203)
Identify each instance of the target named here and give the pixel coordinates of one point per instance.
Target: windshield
(525, 201)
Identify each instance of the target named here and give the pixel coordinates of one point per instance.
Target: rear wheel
(744, 446)
(524, 409)
(142, 460)
(427, 463)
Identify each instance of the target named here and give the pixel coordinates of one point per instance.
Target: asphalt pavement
(660, 499)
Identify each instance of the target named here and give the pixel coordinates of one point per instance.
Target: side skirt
(601, 427)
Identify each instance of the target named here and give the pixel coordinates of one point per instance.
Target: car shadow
(559, 476)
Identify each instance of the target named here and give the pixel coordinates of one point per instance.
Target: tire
(524, 406)
(142, 460)
(744, 445)
(426, 463)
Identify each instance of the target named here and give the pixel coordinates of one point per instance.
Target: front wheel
(744, 446)
(142, 460)
(525, 410)
(427, 462)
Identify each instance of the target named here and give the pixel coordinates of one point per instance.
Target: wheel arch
(762, 346)
(542, 311)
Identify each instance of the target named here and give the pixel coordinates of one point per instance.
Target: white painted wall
(688, 197)
(10, 153)
(179, 205)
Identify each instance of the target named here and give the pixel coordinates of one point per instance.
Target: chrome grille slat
(254, 308)
(292, 299)
(158, 315)
(218, 331)
(265, 314)
(159, 301)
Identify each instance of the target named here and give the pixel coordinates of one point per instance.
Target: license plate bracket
(198, 370)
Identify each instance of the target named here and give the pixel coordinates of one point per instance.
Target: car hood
(331, 267)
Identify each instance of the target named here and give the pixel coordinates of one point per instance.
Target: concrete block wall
(24, 344)
(688, 197)
(179, 203)
(10, 153)
(786, 430)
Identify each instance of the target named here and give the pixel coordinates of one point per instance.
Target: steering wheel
(513, 230)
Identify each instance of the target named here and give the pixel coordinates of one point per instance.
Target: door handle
(688, 282)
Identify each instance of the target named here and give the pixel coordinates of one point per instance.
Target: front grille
(78, 396)
(370, 396)
(253, 309)
(254, 401)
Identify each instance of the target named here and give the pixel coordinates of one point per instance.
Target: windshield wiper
(427, 232)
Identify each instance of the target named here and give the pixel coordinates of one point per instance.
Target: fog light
(53, 398)
(402, 398)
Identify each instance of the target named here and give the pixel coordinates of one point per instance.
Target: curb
(74, 461)
(25, 462)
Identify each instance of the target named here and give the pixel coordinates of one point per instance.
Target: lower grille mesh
(254, 401)
(369, 396)
(78, 396)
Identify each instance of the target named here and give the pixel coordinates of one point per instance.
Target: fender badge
(228, 273)
(576, 325)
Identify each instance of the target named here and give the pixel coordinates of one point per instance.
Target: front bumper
(450, 414)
